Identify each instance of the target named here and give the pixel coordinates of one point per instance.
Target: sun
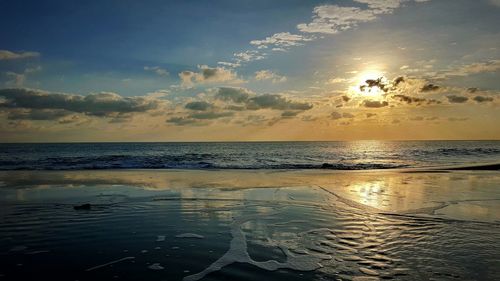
(369, 83)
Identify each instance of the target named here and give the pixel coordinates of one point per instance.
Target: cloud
(156, 69)
(374, 103)
(248, 56)
(238, 103)
(198, 105)
(336, 115)
(208, 75)
(229, 64)
(457, 99)
(380, 83)
(481, 99)
(256, 102)
(269, 75)
(210, 115)
(289, 114)
(381, 7)
(369, 115)
(282, 40)
(473, 68)
(495, 2)
(18, 79)
(37, 114)
(238, 95)
(327, 19)
(429, 88)
(331, 19)
(9, 55)
(104, 104)
(414, 100)
(274, 101)
(181, 121)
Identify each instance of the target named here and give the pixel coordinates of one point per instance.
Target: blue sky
(180, 51)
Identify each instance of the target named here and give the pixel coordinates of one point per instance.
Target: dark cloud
(238, 95)
(398, 80)
(480, 99)
(457, 99)
(371, 83)
(235, 107)
(289, 114)
(374, 103)
(272, 101)
(347, 115)
(429, 88)
(37, 114)
(309, 118)
(417, 118)
(335, 115)
(408, 99)
(369, 115)
(198, 105)
(96, 104)
(415, 100)
(346, 98)
(255, 102)
(181, 121)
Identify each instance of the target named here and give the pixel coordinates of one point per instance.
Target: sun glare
(369, 83)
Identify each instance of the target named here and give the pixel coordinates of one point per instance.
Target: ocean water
(250, 211)
(356, 155)
(218, 225)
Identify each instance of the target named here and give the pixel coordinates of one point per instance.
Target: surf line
(110, 263)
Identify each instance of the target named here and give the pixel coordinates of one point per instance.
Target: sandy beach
(250, 224)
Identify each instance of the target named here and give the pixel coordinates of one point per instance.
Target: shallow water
(252, 225)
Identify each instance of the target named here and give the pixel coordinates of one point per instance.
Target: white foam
(109, 263)
(156, 266)
(190, 235)
(238, 253)
(160, 238)
(37, 252)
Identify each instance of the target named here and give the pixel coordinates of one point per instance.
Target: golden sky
(335, 70)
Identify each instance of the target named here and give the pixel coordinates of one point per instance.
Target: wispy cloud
(269, 75)
(156, 69)
(208, 74)
(10, 55)
(282, 40)
(326, 20)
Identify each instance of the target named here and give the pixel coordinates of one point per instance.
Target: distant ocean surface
(356, 155)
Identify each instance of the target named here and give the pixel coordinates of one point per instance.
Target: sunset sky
(249, 70)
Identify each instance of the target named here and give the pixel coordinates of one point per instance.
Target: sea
(250, 211)
(335, 155)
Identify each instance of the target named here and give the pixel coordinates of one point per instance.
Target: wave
(293, 155)
(177, 162)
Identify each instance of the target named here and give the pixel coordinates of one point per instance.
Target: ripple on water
(338, 241)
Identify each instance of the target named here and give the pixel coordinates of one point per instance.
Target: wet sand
(250, 225)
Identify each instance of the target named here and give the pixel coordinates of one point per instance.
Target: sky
(194, 70)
